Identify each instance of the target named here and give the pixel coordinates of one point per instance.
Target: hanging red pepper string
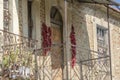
(73, 46)
(46, 38)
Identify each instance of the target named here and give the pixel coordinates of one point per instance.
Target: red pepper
(46, 38)
(73, 47)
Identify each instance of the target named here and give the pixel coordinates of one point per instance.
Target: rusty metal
(89, 65)
(17, 56)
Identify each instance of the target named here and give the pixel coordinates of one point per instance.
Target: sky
(117, 1)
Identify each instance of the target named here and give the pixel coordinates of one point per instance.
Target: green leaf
(6, 61)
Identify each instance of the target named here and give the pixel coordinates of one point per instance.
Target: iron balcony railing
(90, 65)
(20, 59)
(17, 56)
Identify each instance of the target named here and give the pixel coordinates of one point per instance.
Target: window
(6, 14)
(30, 21)
(102, 40)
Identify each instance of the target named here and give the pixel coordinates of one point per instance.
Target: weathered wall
(1, 13)
(115, 48)
(89, 16)
(24, 18)
(83, 17)
(15, 17)
(1, 27)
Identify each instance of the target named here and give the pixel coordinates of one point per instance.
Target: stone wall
(84, 18)
(1, 13)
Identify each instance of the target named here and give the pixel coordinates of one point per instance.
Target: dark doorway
(57, 40)
(30, 21)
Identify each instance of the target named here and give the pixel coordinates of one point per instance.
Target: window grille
(101, 40)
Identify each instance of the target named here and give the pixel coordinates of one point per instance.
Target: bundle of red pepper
(46, 38)
(73, 46)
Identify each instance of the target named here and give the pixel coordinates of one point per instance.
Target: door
(57, 49)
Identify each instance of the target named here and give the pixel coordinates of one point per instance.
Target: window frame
(102, 47)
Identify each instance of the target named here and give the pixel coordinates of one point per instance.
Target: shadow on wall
(82, 37)
(81, 21)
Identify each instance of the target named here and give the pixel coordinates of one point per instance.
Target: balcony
(17, 56)
(20, 59)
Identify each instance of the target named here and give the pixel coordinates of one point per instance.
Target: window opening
(30, 22)
(101, 40)
(6, 14)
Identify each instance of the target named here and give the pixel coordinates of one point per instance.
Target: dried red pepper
(46, 38)
(73, 46)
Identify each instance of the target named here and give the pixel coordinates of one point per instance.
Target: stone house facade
(97, 41)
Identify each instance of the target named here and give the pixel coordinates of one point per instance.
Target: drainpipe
(66, 42)
(109, 40)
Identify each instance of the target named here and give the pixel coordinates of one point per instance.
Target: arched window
(56, 17)
(57, 38)
(56, 23)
